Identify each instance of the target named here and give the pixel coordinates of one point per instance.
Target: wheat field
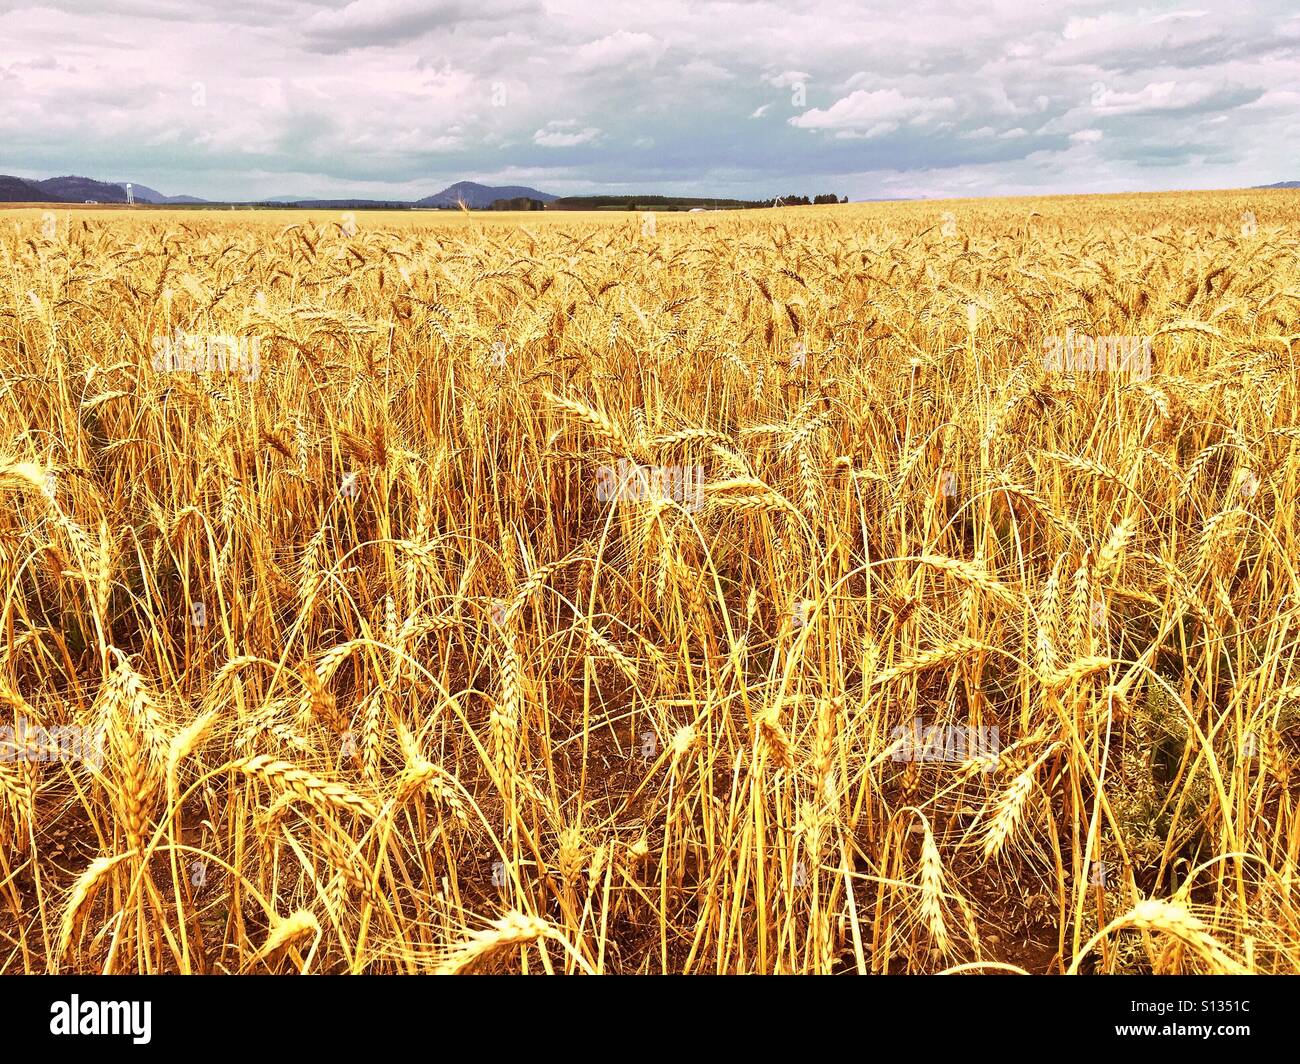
(729, 592)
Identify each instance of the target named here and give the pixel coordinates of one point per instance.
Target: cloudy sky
(398, 98)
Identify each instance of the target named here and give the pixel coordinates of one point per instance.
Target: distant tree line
(804, 201)
(646, 203)
(518, 203)
(678, 203)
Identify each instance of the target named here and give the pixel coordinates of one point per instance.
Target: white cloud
(788, 79)
(363, 23)
(1279, 99)
(747, 98)
(870, 114)
(619, 50)
(564, 134)
(1157, 96)
(1079, 28)
(704, 70)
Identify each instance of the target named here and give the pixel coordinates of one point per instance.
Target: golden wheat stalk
(512, 929)
(82, 892)
(974, 576)
(284, 777)
(285, 932)
(947, 654)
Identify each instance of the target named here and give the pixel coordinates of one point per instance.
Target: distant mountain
(477, 197)
(79, 189)
(145, 194)
(16, 190)
(74, 189)
(1281, 184)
